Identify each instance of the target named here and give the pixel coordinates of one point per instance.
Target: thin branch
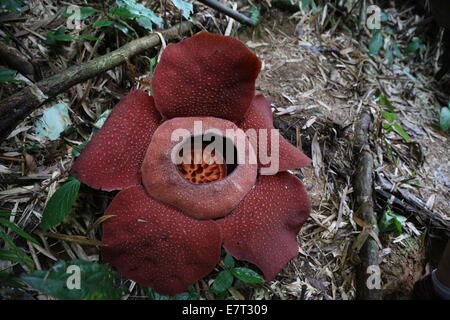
(228, 11)
(364, 209)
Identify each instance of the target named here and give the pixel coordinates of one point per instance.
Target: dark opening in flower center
(203, 163)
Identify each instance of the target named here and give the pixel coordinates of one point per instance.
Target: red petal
(156, 245)
(113, 157)
(206, 75)
(259, 116)
(264, 227)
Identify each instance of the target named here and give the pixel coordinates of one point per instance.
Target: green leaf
(86, 12)
(58, 35)
(4, 213)
(385, 102)
(18, 230)
(19, 253)
(228, 261)
(153, 62)
(60, 204)
(389, 116)
(10, 255)
(185, 7)
(97, 281)
(89, 37)
(247, 275)
(145, 22)
(122, 12)
(255, 15)
(391, 221)
(389, 31)
(11, 281)
(11, 5)
(143, 16)
(414, 45)
(191, 294)
(223, 281)
(8, 75)
(102, 23)
(152, 295)
(121, 27)
(376, 43)
(400, 131)
(444, 121)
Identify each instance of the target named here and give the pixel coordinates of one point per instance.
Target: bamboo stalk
(364, 209)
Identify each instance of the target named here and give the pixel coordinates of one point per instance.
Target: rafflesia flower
(170, 218)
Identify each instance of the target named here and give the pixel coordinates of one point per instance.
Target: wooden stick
(228, 11)
(364, 209)
(18, 106)
(408, 203)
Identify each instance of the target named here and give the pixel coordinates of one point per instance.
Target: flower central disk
(200, 167)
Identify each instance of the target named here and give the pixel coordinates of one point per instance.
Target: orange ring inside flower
(198, 168)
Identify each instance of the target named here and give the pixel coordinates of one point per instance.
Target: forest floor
(318, 80)
(318, 84)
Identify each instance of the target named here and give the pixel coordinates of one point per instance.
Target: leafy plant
(391, 124)
(391, 221)
(382, 39)
(58, 37)
(60, 204)
(9, 280)
(225, 278)
(376, 43)
(85, 12)
(129, 9)
(391, 117)
(444, 120)
(96, 281)
(8, 75)
(191, 294)
(13, 253)
(11, 5)
(102, 23)
(255, 15)
(414, 45)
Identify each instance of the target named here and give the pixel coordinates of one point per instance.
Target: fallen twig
(18, 106)
(228, 11)
(408, 203)
(70, 238)
(364, 210)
